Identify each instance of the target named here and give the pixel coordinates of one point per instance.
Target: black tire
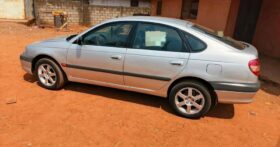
(192, 84)
(60, 78)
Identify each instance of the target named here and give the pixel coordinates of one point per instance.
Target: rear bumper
(235, 92)
(26, 64)
(233, 97)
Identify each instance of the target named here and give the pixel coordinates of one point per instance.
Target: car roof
(154, 19)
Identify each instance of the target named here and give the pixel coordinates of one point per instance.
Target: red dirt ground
(85, 115)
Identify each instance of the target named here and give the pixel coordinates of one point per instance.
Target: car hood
(56, 39)
(57, 42)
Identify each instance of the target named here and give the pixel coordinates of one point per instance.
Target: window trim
(106, 25)
(185, 48)
(188, 43)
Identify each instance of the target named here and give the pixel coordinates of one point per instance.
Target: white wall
(123, 3)
(12, 9)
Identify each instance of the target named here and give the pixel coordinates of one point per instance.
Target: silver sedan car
(194, 67)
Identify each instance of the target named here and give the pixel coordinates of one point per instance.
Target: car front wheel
(190, 99)
(49, 74)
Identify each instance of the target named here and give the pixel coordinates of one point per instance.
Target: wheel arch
(38, 57)
(200, 80)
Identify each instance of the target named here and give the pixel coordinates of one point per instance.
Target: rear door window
(157, 37)
(196, 44)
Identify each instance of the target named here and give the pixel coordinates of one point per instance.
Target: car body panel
(55, 48)
(164, 66)
(96, 63)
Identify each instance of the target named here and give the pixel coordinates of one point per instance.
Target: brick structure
(80, 13)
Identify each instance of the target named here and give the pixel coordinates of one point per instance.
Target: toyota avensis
(193, 66)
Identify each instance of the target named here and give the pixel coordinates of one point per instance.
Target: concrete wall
(267, 35)
(120, 3)
(153, 7)
(12, 9)
(29, 12)
(211, 13)
(171, 8)
(79, 13)
(232, 17)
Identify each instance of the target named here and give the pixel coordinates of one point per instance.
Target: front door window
(114, 35)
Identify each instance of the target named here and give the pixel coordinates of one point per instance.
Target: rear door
(156, 56)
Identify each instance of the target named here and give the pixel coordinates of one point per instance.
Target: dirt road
(85, 115)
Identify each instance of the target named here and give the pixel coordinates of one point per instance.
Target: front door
(101, 56)
(157, 55)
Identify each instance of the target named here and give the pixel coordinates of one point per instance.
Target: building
(121, 3)
(16, 9)
(253, 21)
(90, 12)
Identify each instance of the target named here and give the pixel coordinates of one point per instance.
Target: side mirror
(79, 41)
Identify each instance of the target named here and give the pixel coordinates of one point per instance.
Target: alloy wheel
(189, 100)
(47, 75)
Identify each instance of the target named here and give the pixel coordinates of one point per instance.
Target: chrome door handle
(178, 63)
(116, 57)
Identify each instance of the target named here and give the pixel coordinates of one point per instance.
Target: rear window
(225, 39)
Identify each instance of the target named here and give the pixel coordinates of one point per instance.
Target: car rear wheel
(49, 74)
(190, 99)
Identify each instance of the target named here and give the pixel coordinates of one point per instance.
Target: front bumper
(236, 92)
(26, 64)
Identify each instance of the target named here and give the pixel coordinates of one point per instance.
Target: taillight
(255, 66)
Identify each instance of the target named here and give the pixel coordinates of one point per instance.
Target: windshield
(219, 36)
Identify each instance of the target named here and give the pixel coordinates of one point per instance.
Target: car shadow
(222, 111)
(29, 78)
